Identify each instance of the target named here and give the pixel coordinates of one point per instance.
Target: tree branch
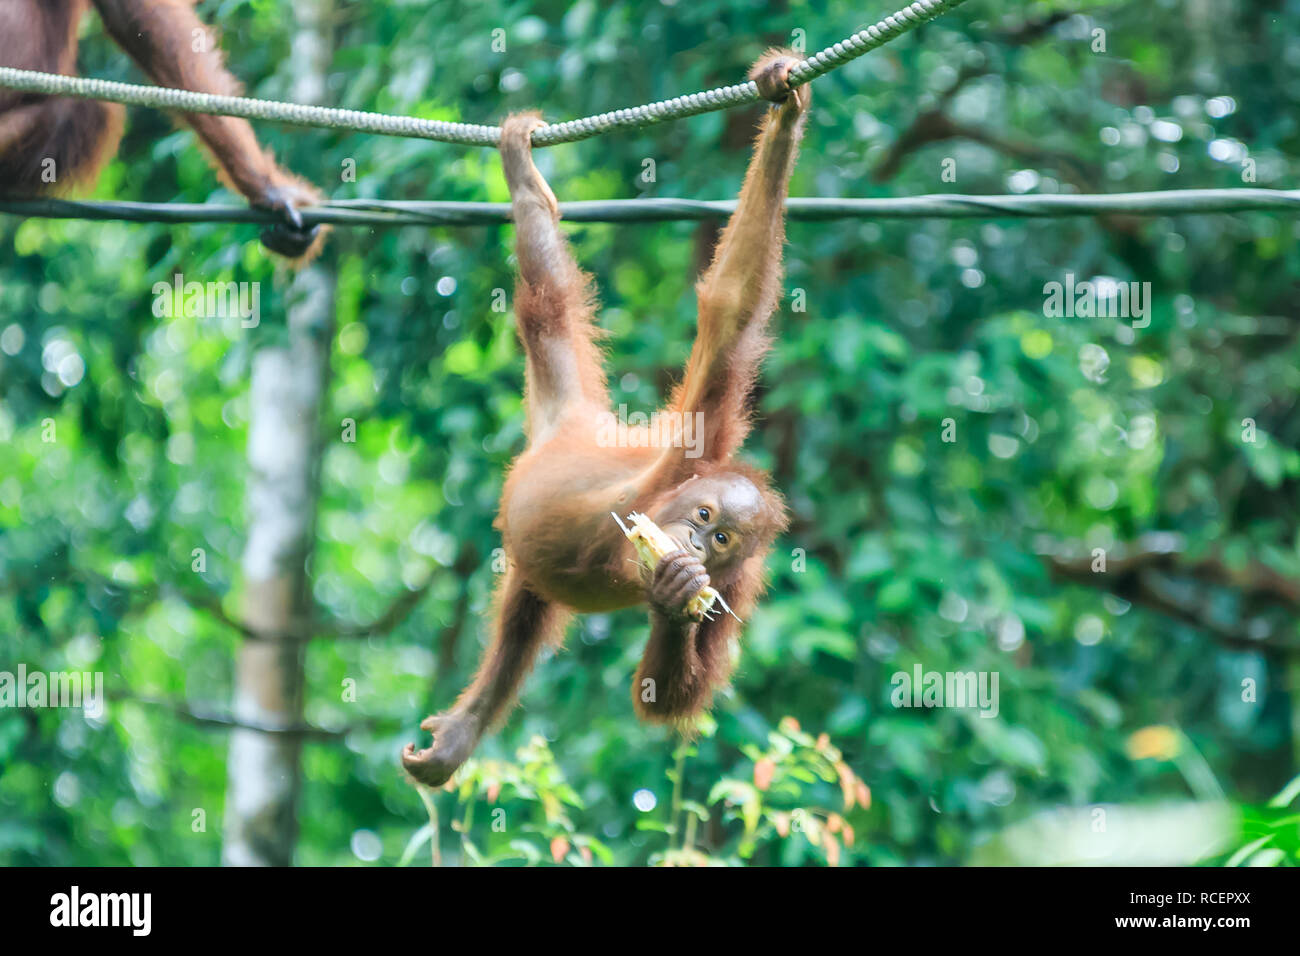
(1135, 575)
(200, 716)
(210, 602)
(395, 614)
(933, 125)
(1254, 579)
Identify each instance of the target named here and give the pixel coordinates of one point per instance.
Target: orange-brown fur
(567, 552)
(82, 135)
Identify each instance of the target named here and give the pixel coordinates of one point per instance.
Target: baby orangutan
(567, 553)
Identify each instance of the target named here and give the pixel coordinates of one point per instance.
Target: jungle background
(1148, 713)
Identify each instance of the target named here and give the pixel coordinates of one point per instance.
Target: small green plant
(775, 804)
(1272, 833)
(526, 802)
(781, 805)
(519, 811)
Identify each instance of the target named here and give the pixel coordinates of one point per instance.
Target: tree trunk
(286, 399)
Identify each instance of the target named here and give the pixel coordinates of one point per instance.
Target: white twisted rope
(469, 134)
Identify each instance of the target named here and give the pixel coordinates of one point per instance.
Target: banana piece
(652, 543)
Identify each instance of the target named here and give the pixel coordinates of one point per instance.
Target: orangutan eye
(703, 513)
(721, 538)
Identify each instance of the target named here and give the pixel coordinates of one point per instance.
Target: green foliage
(1271, 834)
(522, 811)
(532, 790)
(789, 777)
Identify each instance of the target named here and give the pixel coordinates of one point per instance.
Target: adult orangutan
(53, 142)
(567, 553)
